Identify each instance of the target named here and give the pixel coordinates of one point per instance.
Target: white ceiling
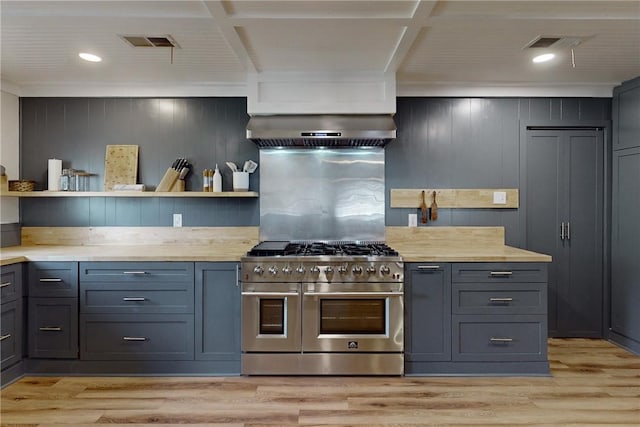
(433, 47)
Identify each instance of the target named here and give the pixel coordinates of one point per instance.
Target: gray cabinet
(11, 323)
(564, 209)
(136, 311)
(499, 312)
(427, 314)
(53, 310)
(218, 313)
(626, 115)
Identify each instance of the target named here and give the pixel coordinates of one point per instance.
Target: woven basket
(22, 185)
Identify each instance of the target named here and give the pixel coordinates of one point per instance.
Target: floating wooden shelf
(127, 194)
(453, 198)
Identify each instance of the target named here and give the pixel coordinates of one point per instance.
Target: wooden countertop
(421, 253)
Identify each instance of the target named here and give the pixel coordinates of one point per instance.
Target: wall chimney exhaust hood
(322, 130)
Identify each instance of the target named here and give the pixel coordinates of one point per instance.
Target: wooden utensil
(434, 208)
(423, 208)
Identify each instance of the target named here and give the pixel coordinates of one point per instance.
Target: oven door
(271, 317)
(353, 317)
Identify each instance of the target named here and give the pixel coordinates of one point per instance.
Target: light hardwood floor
(593, 382)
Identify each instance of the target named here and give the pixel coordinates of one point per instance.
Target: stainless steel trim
(500, 273)
(562, 230)
(428, 267)
(134, 338)
(4, 285)
(355, 294)
(506, 299)
(323, 364)
(4, 337)
(50, 329)
(134, 272)
(45, 279)
(270, 294)
(134, 299)
(500, 340)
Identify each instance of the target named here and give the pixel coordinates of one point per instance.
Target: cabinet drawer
(11, 283)
(11, 333)
(136, 272)
(137, 337)
(53, 328)
(53, 279)
(494, 298)
(104, 297)
(499, 338)
(499, 272)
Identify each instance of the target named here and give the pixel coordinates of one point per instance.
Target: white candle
(55, 170)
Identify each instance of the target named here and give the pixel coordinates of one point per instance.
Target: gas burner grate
(322, 249)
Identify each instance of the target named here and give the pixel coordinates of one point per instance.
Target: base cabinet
(11, 323)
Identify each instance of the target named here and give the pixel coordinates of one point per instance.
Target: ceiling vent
(554, 42)
(150, 41)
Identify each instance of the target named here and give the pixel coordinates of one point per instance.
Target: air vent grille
(555, 42)
(150, 41)
(544, 42)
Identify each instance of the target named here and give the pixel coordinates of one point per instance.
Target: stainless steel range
(322, 308)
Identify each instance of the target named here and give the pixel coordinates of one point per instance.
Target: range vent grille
(150, 41)
(324, 142)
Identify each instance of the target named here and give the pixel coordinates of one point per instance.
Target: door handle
(500, 273)
(134, 339)
(428, 267)
(4, 337)
(270, 294)
(50, 329)
(507, 299)
(51, 279)
(562, 231)
(134, 299)
(4, 285)
(500, 340)
(568, 231)
(354, 294)
(134, 272)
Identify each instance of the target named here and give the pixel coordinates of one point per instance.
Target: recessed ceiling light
(89, 57)
(544, 58)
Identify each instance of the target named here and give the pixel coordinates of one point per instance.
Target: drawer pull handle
(500, 340)
(51, 329)
(500, 273)
(270, 294)
(53, 279)
(134, 339)
(134, 272)
(428, 267)
(507, 299)
(4, 285)
(134, 299)
(4, 337)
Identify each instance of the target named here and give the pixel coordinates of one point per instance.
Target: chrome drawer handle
(134, 299)
(500, 340)
(354, 294)
(53, 279)
(134, 272)
(270, 294)
(500, 273)
(134, 339)
(428, 267)
(4, 337)
(500, 299)
(4, 285)
(51, 329)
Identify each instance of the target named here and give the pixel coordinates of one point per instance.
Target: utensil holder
(241, 181)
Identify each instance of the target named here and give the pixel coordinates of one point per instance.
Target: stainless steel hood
(321, 130)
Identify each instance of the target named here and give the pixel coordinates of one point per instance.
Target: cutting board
(120, 165)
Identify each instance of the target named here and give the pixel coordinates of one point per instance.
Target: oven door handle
(270, 294)
(354, 294)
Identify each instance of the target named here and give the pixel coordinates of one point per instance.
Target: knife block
(168, 180)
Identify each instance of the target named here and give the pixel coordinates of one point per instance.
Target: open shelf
(127, 194)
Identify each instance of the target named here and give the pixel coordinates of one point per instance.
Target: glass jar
(64, 180)
(82, 181)
(72, 180)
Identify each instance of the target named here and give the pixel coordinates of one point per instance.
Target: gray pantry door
(564, 182)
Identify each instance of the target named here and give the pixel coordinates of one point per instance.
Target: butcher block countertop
(423, 244)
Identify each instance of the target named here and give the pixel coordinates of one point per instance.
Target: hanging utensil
(434, 208)
(423, 208)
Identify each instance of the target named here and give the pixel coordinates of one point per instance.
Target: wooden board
(453, 198)
(120, 165)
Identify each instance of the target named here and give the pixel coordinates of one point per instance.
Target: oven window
(272, 316)
(352, 316)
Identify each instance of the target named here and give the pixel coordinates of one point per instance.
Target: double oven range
(318, 308)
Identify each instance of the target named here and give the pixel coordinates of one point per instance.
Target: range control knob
(357, 269)
(300, 270)
(328, 270)
(342, 269)
(258, 270)
(315, 269)
(371, 269)
(385, 269)
(273, 270)
(286, 270)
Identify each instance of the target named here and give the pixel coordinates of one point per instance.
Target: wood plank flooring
(593, 382)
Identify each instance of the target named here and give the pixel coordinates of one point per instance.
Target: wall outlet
(413, 220)
(177, 220)
(499, 198)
